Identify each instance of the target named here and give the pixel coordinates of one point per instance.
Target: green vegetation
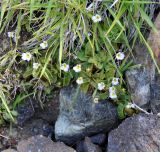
(62, 34)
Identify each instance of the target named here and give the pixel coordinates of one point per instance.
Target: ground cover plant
(55, 43)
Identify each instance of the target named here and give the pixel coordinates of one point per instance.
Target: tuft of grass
(73, 38)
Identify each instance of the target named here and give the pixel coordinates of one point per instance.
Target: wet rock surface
(140, 133)
(80, 116)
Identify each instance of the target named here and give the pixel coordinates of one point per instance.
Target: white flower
(115, 81)
(101, 86)
(65, 67)
(26, 56)
(36, 65)
(79, 80)
(112, 89)
(96, 18)
(120, 56)
(77, 68)
(130, 105)
(112, 95)
(10, 34)
(44, 45)
(95, 100)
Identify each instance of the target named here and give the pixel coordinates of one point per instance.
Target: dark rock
(9, 150)
(32, 109)
(36, 127)
(99, 139)
(140, 133)
(25, 111)
(90, 147)
(80, 116)
(80, 146)
(31, 128)
(155, 95)
(42, 144)
(50, 110)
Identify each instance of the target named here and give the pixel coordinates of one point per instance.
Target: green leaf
(103, 96)
(4, 101)
(20, 98)
(66, 79)
(120, 110)
(88, 49)
(14, 113)
(81, 55)
(48, 11)
(85, 87)
(27, 73)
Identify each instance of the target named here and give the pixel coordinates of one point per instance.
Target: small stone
(61, 147)
(79, 146)
(98, 139)
(90, 147)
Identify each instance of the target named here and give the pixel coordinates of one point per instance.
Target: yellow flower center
(97, 17)
(28, 55)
